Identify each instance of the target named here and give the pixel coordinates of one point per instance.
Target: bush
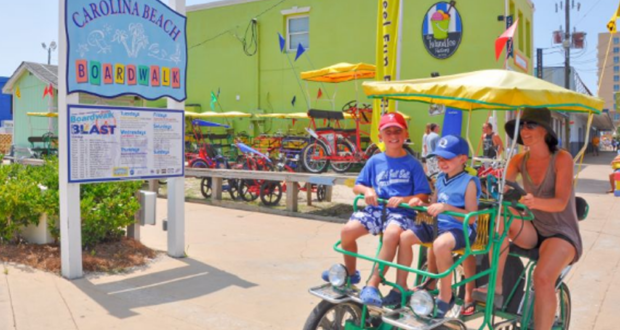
(107, 208)
(22, 199)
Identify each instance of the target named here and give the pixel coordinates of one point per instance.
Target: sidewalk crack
(66, 305)
(8, 289)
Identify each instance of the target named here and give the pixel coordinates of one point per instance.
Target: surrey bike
(341, 306)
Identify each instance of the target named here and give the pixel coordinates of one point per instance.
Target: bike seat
(531, 254)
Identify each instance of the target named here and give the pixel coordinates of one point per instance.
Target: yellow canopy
(42, 114)
(229, 114)
(303, 115)
(340, 72)
(486, 89)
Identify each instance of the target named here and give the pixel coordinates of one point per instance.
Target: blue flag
(294, 99)
(300, 50)
(282, 42)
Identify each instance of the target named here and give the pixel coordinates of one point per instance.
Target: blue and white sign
(119, 47)
(109, 143)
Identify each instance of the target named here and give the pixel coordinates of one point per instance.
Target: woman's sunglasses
(529, 125)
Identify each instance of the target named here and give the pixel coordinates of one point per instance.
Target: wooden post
(133, 230)
(154, 186)
(328, 193)
(309, 193)
(292, 191)
(216, 189)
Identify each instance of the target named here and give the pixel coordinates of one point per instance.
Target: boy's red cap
(392, 119)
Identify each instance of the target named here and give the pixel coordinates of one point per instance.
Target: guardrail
(292, 189)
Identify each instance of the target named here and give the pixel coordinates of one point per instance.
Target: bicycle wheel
(270, 193)
(344, 148)
(313, 157)
(321, 192)
(232, 186)
(205, 187)
(247, 191)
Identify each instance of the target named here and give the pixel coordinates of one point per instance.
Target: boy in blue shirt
(395, 176)
(456, 191)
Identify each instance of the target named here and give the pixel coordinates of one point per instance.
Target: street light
(49, 49)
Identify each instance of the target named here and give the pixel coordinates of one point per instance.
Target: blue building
(5, 102)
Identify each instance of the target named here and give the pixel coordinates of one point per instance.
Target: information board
(115, 143)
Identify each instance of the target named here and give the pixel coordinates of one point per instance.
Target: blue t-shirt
(394, 177)
(452, 192)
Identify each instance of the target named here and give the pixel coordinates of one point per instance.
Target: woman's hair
(552, 144)
(433, 126)
(427, 129)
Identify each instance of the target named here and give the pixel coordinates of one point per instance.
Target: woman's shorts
(425, 233)
(370, 218)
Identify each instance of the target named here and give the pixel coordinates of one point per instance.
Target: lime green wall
(340, 31)
(31, 100)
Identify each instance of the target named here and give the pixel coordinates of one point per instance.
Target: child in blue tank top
(456, 191)
(395, 176)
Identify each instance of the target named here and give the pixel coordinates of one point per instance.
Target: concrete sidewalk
(252, 271)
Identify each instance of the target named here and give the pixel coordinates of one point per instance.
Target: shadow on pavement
(592, 186)
(193, 280)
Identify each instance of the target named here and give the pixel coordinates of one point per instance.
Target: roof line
(216, 4)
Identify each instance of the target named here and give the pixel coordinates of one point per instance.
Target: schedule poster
(114, 143)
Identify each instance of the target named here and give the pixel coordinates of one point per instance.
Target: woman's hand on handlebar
(530, 201)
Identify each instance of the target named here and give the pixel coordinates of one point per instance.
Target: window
(616, 59)
(616, 78)
(298, 32)
(616, 50)
(616, 88)
(616, 40)
(617, 116)
(616, 68)
(520, 36)
(528, 34)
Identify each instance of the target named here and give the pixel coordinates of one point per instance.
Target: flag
(282, 42)
(611, 25)
(386, 58)
(320, 94)
(213, 101)
(501, 41)
(49, 90)
(18, 93)
(294, 99)
(300, 50)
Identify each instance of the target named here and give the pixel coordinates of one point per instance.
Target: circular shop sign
(442, 30)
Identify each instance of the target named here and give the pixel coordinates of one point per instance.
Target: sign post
(110, 49)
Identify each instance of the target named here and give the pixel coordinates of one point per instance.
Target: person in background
(595, 143)
(427, 131)
(432, 166)
(492, 145)
(614, 163)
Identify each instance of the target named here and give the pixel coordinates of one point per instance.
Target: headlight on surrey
(422, 303)
(338, 275)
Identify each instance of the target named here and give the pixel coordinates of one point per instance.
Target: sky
(23, 29)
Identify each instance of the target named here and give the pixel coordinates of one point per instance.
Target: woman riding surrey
(547, 174)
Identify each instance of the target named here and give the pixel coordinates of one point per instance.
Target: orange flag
(320, 94)
(501, 41)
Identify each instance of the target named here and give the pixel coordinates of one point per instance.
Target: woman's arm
(563, 187)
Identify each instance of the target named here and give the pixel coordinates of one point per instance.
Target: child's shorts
(370, 217)
(424, 232)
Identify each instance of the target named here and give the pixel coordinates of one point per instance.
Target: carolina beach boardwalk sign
(121, 47)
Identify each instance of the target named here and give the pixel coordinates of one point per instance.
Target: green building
(34, 88)
(234, 52)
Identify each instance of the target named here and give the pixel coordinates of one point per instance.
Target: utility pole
(567, 45)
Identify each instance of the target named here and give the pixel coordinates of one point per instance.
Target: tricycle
(341, 306)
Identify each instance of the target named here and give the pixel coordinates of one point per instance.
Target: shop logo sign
(442, 30)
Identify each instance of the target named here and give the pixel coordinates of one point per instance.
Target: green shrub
(28, 191)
